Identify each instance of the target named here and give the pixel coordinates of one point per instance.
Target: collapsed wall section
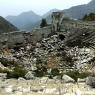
(18, 38)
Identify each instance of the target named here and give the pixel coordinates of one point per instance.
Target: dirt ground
(37, 87)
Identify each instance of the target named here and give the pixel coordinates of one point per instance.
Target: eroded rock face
(80, 37)
(29, 75)
(82, 56)
(2, 66)
(67, 79)
(19, 39)
(13, 39)
(56, 21)
(3, 76)
(91, 81)
(53, 53)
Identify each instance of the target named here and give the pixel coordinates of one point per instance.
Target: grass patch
(76, 74)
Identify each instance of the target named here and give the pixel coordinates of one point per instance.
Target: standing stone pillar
(56, 21)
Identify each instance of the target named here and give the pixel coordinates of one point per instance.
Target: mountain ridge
(24, 19)
(79, 11)
(6, 26)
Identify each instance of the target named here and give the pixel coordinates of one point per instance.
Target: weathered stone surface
(56, 21)
(19, 38)
(26, 87)
(29, 75)
(21, 79)
(80, 37)
(91, 81)
(67, 79)
(81, 80)
(44, 80)
(2, 66)
(3, 75)
(73, 24)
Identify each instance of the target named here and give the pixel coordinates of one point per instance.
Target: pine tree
(43, 23)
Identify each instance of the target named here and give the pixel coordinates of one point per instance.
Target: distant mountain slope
(6, 26)
(24, 19)
(31, 25)
(79, 11)
(76, 12)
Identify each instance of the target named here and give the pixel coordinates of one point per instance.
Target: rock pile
(52, 52)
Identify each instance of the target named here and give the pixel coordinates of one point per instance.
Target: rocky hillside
(81, 37)
(66, 56)
(61, 62)
(6, 26)
(53, 54)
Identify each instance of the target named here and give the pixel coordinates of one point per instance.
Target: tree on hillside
(89, 17)
(43, 23)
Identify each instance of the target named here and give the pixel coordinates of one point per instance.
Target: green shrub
(3, 70)
(8, 63)
(40, 72)
(17, 72)
(43, 23)
(54, 72)
(84, 75)
(75, 75)
(89, 17)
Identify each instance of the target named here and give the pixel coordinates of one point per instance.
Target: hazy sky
(15, 7)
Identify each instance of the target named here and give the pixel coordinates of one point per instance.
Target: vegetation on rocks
(7, 63)
(16, 72)
(89, 17)
(3, 70)
(12, 69)
(40, 72)
(75, 74)
(43, 23)
(54, 72)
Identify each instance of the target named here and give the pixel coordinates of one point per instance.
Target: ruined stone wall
(58, 24)
(14, 39)
(77, 24)
(56, 21)
(19, 38)
(39, 33)
(8, 40)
